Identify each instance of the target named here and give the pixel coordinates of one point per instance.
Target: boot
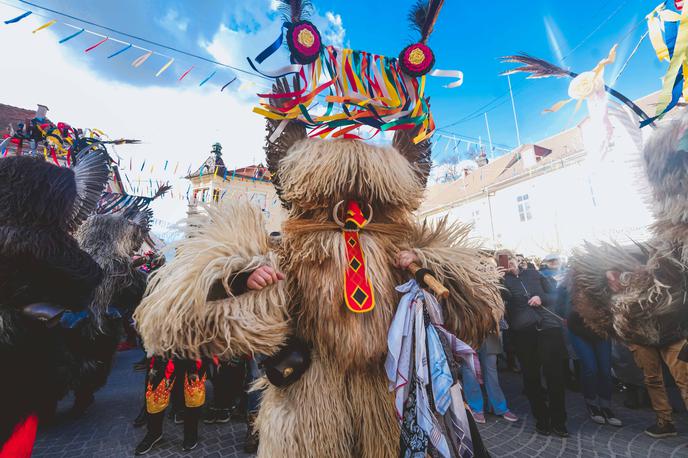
(191, 416)
(141, 418)
(251, 442)
(153, 435)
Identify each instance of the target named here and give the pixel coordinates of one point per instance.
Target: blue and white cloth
(417, 358)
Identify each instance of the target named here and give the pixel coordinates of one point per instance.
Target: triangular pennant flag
(141, 59)
(165, 67)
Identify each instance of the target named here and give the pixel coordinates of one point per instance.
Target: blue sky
(469, 36)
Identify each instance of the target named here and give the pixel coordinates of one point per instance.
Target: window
(216, 195)
(475, 216)
(524, 208)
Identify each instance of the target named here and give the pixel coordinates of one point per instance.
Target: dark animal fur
(39, 262)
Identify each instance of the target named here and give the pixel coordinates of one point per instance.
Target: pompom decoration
(416, 60)
(304, 42)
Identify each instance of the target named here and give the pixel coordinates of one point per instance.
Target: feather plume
(423, 16)
(162, 190)
(295, 10)
(538, 68)
(91, 173)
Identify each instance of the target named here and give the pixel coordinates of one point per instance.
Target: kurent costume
(648, 310)
(92, 335)
(43, 272)
(325, 328)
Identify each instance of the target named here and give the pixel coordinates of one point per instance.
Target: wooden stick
(436, 287)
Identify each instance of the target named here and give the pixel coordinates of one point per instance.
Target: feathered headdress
(540, 68)
(41, 137)
(382, 93)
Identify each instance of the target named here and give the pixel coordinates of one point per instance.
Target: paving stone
(105, 431)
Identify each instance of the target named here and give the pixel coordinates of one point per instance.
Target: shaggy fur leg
(376, 429)
(310, 418)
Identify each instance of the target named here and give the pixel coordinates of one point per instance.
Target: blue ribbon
(223, 87)
(270, 50)
(18, 18)
(71, 36)
(120, 51)
(670, 34)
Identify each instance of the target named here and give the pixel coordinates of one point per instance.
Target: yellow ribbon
(585, 84)
(676, 63)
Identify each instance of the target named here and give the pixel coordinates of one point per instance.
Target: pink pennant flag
(97, 44)
(185, 73)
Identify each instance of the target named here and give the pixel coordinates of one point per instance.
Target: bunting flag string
(138, 61)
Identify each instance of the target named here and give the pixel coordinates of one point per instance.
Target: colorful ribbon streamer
(671, 45)
(371, 90)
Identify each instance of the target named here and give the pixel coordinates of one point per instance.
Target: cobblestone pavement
(106, 429)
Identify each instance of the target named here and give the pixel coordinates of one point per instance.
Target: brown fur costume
(651, 309)
(341, 407)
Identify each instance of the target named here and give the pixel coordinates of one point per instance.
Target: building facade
(213, 182)
(549, 197)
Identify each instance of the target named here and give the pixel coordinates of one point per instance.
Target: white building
(550, 196)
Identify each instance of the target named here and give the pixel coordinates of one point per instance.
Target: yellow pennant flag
(165, 67)
(45, 26)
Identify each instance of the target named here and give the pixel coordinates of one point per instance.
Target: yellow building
(213, 182)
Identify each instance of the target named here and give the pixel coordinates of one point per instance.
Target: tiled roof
(562, 145)
(13, 115)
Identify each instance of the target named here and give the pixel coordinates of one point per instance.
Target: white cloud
(334, 32)
(173, 22)
(178, 124)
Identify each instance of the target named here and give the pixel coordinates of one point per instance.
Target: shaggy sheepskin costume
(42, 272)
(651, 307)
(92, 336)
(341, 406)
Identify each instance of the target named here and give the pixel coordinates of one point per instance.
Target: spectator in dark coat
(539, 342)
